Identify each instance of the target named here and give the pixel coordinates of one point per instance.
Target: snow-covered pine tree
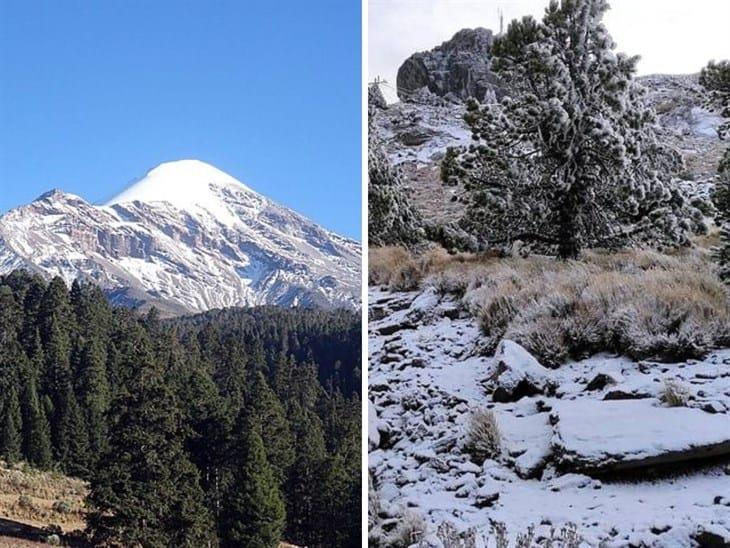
(391, 218)
(716, 78)
(568, 159)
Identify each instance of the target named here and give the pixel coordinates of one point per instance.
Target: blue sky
(94, 93)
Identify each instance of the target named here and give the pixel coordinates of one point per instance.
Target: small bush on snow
(410, 530)
(675, 394)
(482, 436)
(566, 537)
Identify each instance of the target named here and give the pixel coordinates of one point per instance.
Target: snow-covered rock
(517, 373)
(605, 436)
(186, 237)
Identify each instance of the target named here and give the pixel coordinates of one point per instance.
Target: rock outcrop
(458, 69)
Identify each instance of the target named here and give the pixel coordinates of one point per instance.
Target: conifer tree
(93, 393)
(68, 432)
(36, 432)
(206, 419)
(568, 159)
(254, 511)
(392, 220)
(305, 478)
(11, 426)
(334, 504)
(145, 491)
(265, 414)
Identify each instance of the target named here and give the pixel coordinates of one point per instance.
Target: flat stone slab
(607, 436)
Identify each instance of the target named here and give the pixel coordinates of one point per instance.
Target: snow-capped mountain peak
(186, 237)
(187, 184)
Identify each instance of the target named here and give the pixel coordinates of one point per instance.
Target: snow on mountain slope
(186, 237)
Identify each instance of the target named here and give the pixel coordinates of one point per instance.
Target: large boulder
(593, 436)
(518, 374)
(457, 68)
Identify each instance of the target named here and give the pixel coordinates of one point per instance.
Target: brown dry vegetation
(41, 499)
(640, 303)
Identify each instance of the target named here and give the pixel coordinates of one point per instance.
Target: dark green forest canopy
(139, 405)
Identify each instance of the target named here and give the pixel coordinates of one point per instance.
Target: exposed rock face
(185, 238)
(457, 68)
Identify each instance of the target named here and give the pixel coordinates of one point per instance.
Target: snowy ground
(599, 448)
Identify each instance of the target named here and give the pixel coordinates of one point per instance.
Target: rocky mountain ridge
(417, 131)
(457, 69)
(186, 237)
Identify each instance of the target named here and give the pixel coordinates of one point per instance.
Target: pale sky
(672, 36)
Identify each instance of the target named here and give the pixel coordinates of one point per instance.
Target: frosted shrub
(451, 538)
(566, 537)
(675, 394)
(641, 304)
(410, 530)
(482, 436)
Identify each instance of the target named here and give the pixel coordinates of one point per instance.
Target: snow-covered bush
(483, 440)
(675, 394)
(392, 220)
(410, 530)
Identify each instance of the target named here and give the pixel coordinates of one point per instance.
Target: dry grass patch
(640, 303)
(41, 499)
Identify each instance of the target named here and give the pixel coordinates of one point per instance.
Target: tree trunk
(569, 245)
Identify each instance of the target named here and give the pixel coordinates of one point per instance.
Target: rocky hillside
(605, 447)
(186, 237)
(432, 87)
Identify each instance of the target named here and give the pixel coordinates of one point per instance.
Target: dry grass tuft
(483, 440)
(675, 394)
(411, 529)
